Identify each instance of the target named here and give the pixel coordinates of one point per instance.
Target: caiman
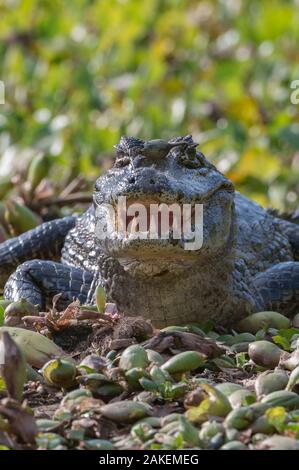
(248, 260)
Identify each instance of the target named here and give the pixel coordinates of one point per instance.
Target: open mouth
(153, 216)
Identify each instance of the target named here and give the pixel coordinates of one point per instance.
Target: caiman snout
(147, 181)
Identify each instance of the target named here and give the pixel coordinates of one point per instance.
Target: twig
(81, 198)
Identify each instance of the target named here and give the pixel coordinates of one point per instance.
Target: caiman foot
(38, 281)
(279, 288)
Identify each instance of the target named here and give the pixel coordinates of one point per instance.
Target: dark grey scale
(43, 242)
(39, 281)
(279, 287)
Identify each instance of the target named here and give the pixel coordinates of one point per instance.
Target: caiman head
(194, 224)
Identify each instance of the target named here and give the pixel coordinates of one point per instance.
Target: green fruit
(240, 418)
(5, 186)
(80, 392)
(109, 391)
(234, 445)
(19, 218)
(12, 366)
(100, 299)
(241, 338)
(15, 311)
(295, 321)
(270, 382)
(294, 379)
(279, 443)
(60, 373)
(184, 362)
(260, 320)
(227, 388)
(241, 397)
(264, 353)
(133, 376)
(36, 348)
(98, 444)
(126, 411)
(288, 400)
(38, 170)
(154, 357)
(133, 356)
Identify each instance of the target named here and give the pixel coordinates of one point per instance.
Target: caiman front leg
(38, 281)
(43, 242)
(278, 287)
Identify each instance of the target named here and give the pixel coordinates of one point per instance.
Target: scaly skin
(247, 261)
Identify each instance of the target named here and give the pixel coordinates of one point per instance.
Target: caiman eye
(191, 160)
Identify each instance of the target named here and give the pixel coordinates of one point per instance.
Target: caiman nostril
(152, 181)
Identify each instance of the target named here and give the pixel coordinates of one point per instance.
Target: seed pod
(109, 390)
(270, 382)
(294, 379)
(5, 303)
(19, 218)
(209, 429)
(93, 381)
(241, 338)
(49, 441)
(290, 361)
(126, 411)
(154, 357)
(32, 375)
(262, 425)
(38, 169)
(240, 347)
(93, 363)
(60, 373)
(240, 418)
(260, 320)
(227, 388)
(36, 348)
(5, 186)
(216, 404)
(234, 445)
(142, 431)
(189, 432)
(98, 444)
(133, 376)
(184, 362)
(148, 385)
(159, 375)
(175, 328)
(241, 397)
(15, 311)
(152, 421)
(12, 366)
(47, 425)
(74, 394)
(133, 356)
(295, 321)
(178, 390)
(264, 353)
(100, 299)
(279, 443)
(288, 400)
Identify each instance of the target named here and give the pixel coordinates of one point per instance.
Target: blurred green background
(80, 73)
